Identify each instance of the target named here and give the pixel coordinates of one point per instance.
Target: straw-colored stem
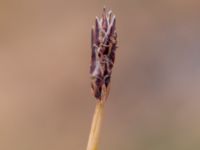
(96, 126)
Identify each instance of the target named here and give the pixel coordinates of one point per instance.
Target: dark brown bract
(103, 44)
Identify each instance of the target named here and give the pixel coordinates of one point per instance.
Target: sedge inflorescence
(103, 45)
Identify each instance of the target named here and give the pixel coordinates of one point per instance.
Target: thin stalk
(96, 126)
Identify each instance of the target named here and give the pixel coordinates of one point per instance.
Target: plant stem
(96, 126)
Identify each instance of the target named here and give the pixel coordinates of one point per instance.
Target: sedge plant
(103, 45)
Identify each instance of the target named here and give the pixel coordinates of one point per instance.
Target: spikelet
(103, 45)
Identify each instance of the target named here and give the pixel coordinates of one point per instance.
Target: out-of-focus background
(45, 97)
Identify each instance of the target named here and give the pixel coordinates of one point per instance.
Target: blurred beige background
(45, 98)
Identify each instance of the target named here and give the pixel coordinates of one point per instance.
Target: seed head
(103, 45)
